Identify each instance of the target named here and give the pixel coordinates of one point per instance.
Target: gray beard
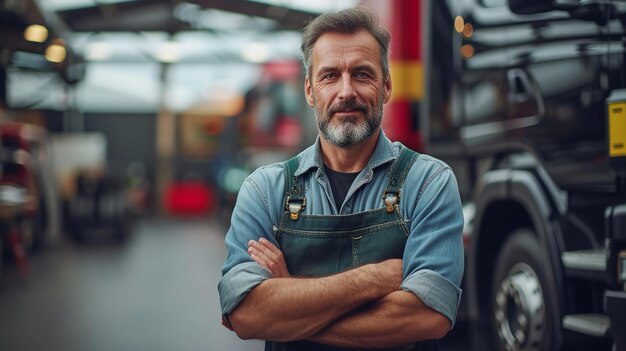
(347, 131)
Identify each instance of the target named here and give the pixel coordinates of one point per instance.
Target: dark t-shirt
(340, 184)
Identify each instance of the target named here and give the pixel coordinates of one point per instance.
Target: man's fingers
(257, 259)
(264, 261)
(269, 256)
(266, 248)
(260, 253)
(268, 245)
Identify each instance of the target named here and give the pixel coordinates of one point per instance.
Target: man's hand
(271, 258)
(292, 309)
(376, 314)
(268, 256)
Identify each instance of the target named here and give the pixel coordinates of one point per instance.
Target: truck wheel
(523, 309)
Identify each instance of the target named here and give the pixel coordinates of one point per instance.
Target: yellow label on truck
(617, 129)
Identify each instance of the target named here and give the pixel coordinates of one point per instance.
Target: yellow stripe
(617, 129)
(407, 79)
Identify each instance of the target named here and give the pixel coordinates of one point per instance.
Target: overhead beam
(132, 16)
(288, 19)
(158, 15)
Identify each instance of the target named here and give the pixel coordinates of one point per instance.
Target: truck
(526, 101)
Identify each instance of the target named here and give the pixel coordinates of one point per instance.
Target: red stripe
(405, 29)
(405, 25)
(397, 124)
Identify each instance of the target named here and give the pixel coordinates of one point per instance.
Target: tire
(524, 313)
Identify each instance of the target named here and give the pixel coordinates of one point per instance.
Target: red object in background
(16, 135)
(14, 240)
(281, 70)
(189, 198)
(14, 140)
(288, 132)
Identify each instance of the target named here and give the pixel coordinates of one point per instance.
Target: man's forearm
(288, 309)
(397, 319)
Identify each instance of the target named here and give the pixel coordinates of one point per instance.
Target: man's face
(346, 87)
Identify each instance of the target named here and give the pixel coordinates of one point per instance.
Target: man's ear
(308, 91)
(387, 87)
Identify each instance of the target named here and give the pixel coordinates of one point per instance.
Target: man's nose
(347, 91)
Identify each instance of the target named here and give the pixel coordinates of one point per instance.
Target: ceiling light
(459, 23)
(36, 33)
(256, 52)
(98, 51)
(468, 30)
(467, 51)
(56, 52)
(168, 52)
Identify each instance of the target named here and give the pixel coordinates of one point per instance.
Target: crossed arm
(362, 307)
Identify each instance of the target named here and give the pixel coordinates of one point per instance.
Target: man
(355, 242)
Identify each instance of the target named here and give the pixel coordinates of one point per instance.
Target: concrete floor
(157, 291)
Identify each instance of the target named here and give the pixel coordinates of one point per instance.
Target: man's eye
(362, 75)
(329, 76)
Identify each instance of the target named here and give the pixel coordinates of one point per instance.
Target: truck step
(585, 260)
(590, 324)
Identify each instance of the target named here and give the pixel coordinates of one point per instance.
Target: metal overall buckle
(391, 200)
(295, 208)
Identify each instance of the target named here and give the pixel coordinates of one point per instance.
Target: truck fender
(535, 201)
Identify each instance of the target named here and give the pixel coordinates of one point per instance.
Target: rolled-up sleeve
(433, 257)
(238, 282)
(435, 291)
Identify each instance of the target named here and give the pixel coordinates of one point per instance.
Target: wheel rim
(519, 310)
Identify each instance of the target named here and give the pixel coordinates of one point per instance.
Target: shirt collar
(312, 156)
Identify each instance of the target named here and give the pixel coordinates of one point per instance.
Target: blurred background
(127, 128)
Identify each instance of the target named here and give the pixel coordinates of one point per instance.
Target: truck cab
(526, 100)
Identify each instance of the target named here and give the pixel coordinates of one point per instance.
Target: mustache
(345, 106)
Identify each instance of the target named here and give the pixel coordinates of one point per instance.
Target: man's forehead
(361, 46)
(344, 40)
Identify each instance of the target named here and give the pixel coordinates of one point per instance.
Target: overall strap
(294, 188)
(399, 170)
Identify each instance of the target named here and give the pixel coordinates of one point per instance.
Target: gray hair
(348, 21)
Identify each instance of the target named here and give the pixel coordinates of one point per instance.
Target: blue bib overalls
(319, 245)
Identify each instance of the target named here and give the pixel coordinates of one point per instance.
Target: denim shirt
(430, 202)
